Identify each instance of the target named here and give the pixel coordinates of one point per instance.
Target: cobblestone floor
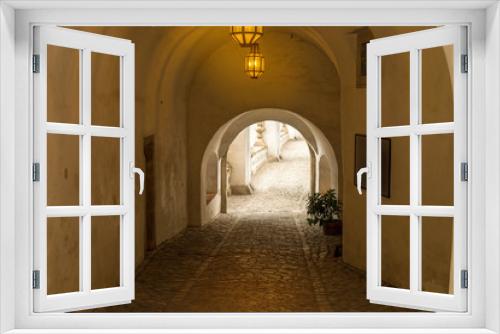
(266, 262)
(261, 257)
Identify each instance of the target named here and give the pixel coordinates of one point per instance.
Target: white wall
(238, 157)
(272, 138)
(213, 174)
(252, 134)
(293, 133)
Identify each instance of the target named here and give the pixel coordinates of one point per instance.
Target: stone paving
(261, 257)
(265, 262)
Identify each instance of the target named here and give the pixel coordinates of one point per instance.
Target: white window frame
(413, 44)
(86, 43)
(16, 21)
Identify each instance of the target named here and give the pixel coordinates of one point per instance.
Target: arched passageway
(234, 132)
(312, 85)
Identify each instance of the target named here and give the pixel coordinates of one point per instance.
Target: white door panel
(74, 219)
(414, 131)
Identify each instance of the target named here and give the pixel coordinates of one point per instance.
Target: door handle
(359, 174)
(134, 170)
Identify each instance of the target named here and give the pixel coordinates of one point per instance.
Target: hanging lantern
(254, 62)
(246, 35)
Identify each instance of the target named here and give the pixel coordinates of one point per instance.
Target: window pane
(105, 89)
(437, 255)
(63, 255)
(395, 89)
(63, 170)
(63, 84)
(105, 171)
(437, 84)
(437, 169)
(105, 252)
(395, 245)
(395, 171)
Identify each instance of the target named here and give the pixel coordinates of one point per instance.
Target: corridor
(221, 223)
(261, 257)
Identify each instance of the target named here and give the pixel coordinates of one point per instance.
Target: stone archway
(324, 177)
(212, 176)
(224, 136)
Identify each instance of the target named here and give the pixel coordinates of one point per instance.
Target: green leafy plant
(323, 208)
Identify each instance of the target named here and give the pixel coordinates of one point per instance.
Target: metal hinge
(465, 64)
(36, 279)
(464, 171)
(464, 279)
(36, 172)
(36, 63)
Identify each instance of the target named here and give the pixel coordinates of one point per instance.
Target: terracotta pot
(333, 228)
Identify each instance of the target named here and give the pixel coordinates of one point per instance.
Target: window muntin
(423, 129)
(78, 192)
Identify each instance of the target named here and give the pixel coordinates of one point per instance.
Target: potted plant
(325, 210)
